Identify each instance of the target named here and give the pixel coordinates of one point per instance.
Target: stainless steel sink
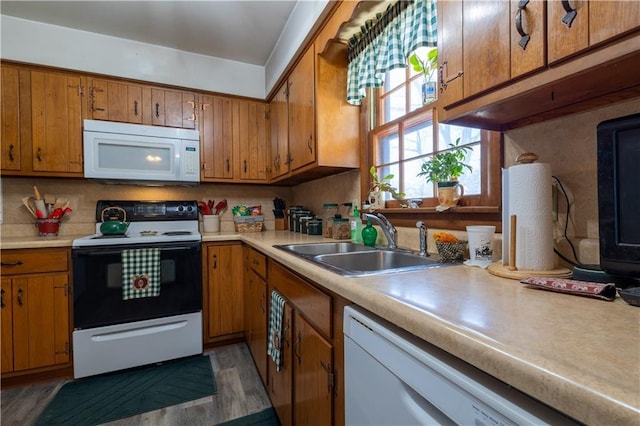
(314, 249)
(355, 260)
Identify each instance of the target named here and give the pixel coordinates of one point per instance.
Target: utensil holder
(211, 223)
(48, 227)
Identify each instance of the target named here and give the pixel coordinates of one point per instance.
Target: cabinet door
(256, 320)
(173, 108)
(10, 105)
(216, 135)
(608, 19)
(301, 112)
(528, 50)
(486, 41)
(450, 51)
(564, 40)
(250, 132)
(224, 303)
(314, 377)
(115, 101)
(7, 327)
(40, 321)
(281, 382)
(279, 126)
(56, 101)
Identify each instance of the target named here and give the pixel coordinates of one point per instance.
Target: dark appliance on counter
(618, 143)
(122, 322)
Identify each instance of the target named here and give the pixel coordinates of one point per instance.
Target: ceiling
(241, 30)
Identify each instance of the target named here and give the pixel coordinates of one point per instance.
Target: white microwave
(139, 154)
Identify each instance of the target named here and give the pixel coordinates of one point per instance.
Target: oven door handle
(105, 252)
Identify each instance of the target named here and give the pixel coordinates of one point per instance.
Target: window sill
(456, 218)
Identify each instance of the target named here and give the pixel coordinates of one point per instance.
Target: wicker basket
(451, 252)
(248, 223)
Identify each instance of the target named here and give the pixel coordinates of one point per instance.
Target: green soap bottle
(369, 235)
(356, 226)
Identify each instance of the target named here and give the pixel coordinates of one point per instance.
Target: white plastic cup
(481, 244)
(211, 223)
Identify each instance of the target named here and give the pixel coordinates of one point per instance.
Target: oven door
(97, 285)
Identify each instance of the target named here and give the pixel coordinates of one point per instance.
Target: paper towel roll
(529, 198)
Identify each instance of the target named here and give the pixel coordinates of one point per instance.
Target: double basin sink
(348, 259)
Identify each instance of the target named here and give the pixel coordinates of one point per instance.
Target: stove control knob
(180, 208)
(190, 208)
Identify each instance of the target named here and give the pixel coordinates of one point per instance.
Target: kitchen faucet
(389, 231)
(423, 238)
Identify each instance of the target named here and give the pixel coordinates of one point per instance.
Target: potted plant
(444, 169)
(380, 185)
(427, 67)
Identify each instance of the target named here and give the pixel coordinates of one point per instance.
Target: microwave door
(116, 156)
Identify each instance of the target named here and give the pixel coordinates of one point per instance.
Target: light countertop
(576, 354)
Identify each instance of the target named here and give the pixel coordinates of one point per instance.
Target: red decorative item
(580, 288)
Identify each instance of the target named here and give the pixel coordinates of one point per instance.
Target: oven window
(97, 284)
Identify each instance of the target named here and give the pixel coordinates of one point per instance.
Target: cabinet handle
(571, 14)
(16, 263)
(2, 299)
(228, 165)
(444, 81)
(20, 293)
(263, 304)
(276, 162)
(296, 348)
(309, 144)
(215, 261)
(285, 333)
(39, 154)
(330, 376)
(522, 4)
(135, 108)
(157, 110)
(245, 166)
(11, 157)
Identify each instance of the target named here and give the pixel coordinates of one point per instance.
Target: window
(404, 133)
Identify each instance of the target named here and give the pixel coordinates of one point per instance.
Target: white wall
(37, 43)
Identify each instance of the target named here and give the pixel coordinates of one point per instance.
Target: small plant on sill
(446, 166)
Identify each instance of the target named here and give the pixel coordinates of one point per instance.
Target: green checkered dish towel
(276, 312)
(140, 273)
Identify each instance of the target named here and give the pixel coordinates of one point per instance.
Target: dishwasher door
(394, 378)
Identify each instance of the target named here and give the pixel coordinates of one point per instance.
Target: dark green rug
(101, 399)
(267, 417)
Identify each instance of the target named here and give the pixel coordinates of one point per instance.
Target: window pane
(471, 180)
(418, 140)
(416, 94)
(394, 78)
(414, 186)
(448, 134)
(387, 149)
(394, 105)
(395, 182)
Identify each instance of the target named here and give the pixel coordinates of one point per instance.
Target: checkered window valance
(386, 42)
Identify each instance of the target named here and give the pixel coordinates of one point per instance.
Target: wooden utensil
(41, 209)
(27, 204)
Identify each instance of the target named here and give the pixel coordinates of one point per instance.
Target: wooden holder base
(503, 271)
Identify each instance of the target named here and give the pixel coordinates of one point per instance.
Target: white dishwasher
(394, 378)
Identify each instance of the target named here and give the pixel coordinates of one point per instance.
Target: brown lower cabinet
(255, 308)
(308, 388)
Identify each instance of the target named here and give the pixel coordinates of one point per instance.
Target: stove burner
(171, 233)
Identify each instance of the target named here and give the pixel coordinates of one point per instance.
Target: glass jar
(304, 223)
(314, 226)
(291, 214)
(341, 229)
(329, 210)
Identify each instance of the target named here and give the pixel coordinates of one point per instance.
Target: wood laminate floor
(240, 392)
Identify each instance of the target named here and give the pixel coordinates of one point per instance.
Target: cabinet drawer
(309, 300)
(256, 261)
(34, 261)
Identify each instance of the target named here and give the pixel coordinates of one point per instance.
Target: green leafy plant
(383, 184)
(426, 66)
(446, 166)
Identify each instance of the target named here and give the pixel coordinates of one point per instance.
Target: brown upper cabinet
(128, 102)
(509, 64)
(42, 113)
(56, 122)
(314, 131)
(233, 137)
